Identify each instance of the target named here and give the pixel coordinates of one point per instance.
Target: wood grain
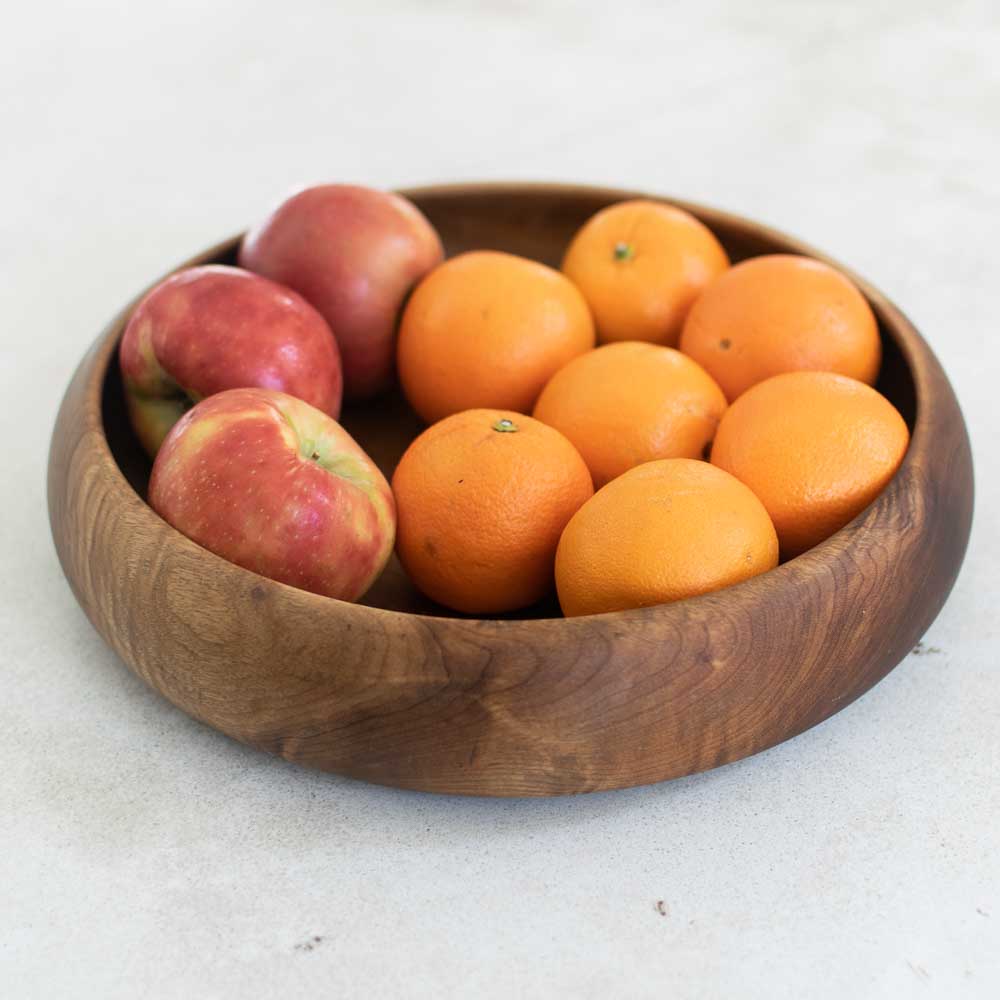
(523, 706)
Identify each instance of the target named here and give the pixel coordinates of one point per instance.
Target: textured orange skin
(673, 258)
(632, 402)
(816, 447)
(781, 313)
(488, 329)
(661, 532)
(481, 510)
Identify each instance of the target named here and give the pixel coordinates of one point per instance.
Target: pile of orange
(726, 421)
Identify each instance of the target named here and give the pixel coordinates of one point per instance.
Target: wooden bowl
(401, 692)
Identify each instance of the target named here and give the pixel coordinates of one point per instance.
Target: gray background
(142, 854)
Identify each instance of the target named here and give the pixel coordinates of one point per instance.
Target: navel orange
(482, 498)
(640, 264)
(488, 329)
(781, 313)
(632, 402)
(663, 531)
(816, 448)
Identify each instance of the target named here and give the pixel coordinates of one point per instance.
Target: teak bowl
(400, 692)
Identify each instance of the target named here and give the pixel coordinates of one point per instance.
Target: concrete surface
(143, 855)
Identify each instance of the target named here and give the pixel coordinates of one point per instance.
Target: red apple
(212, 328)
(276, 486)
(354, 253)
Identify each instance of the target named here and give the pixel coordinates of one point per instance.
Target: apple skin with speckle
(278, 487)
(354, 253)
(207, 329)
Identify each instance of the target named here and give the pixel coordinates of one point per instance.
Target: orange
(663, 531)
(482, 498)
(779, 314)
(640, 264)
(488, 329)
(631, 402)
(816, 447)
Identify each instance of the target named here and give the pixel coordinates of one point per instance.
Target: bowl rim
(892, 323)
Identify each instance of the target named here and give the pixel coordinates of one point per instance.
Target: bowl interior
(536, 222)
